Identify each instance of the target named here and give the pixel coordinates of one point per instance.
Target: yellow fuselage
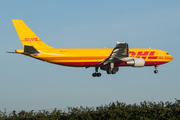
(93, 57)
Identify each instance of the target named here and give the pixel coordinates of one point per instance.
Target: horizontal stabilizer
(30, 50)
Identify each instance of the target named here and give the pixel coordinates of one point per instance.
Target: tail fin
(27, 36)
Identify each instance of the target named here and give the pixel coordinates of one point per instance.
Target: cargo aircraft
(107, 59)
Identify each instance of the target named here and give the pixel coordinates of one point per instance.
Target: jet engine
(136, 62)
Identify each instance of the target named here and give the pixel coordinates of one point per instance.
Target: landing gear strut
(156, 71)
(96, 74)
(111, 69)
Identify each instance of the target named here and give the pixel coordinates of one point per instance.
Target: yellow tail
(27, 36)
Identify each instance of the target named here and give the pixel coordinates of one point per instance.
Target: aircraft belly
(79, 64)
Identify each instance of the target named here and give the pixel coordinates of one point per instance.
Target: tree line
(113, 111)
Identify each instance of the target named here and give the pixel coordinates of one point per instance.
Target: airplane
(107, 59)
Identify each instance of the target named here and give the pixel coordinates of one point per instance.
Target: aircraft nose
(171, 58)
(168, 57)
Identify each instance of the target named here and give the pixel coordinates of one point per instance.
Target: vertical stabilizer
(27, 36)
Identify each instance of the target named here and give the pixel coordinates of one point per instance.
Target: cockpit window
(167, 53)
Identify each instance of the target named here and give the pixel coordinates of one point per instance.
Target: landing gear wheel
(94, 74)
(109, 72)
(113, 72)
(98, 74)
(155, 71)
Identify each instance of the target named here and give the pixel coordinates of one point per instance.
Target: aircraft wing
(119, 53)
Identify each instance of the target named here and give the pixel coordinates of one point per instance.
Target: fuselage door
(160, 55)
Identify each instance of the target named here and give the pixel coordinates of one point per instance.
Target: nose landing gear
(156, 71)
(96, 74)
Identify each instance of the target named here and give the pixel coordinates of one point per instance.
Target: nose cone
(169, 58)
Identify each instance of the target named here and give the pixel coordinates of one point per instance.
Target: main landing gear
(112, 69)
(96, 74)
(156, 71)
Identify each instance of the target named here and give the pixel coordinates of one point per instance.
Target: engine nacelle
(136, 62)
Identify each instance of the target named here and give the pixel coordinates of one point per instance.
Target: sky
(30, 84)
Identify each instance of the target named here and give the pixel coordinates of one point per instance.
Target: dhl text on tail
(106, 59)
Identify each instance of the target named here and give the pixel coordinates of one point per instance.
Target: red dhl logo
(30, 39)
(144, 55)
